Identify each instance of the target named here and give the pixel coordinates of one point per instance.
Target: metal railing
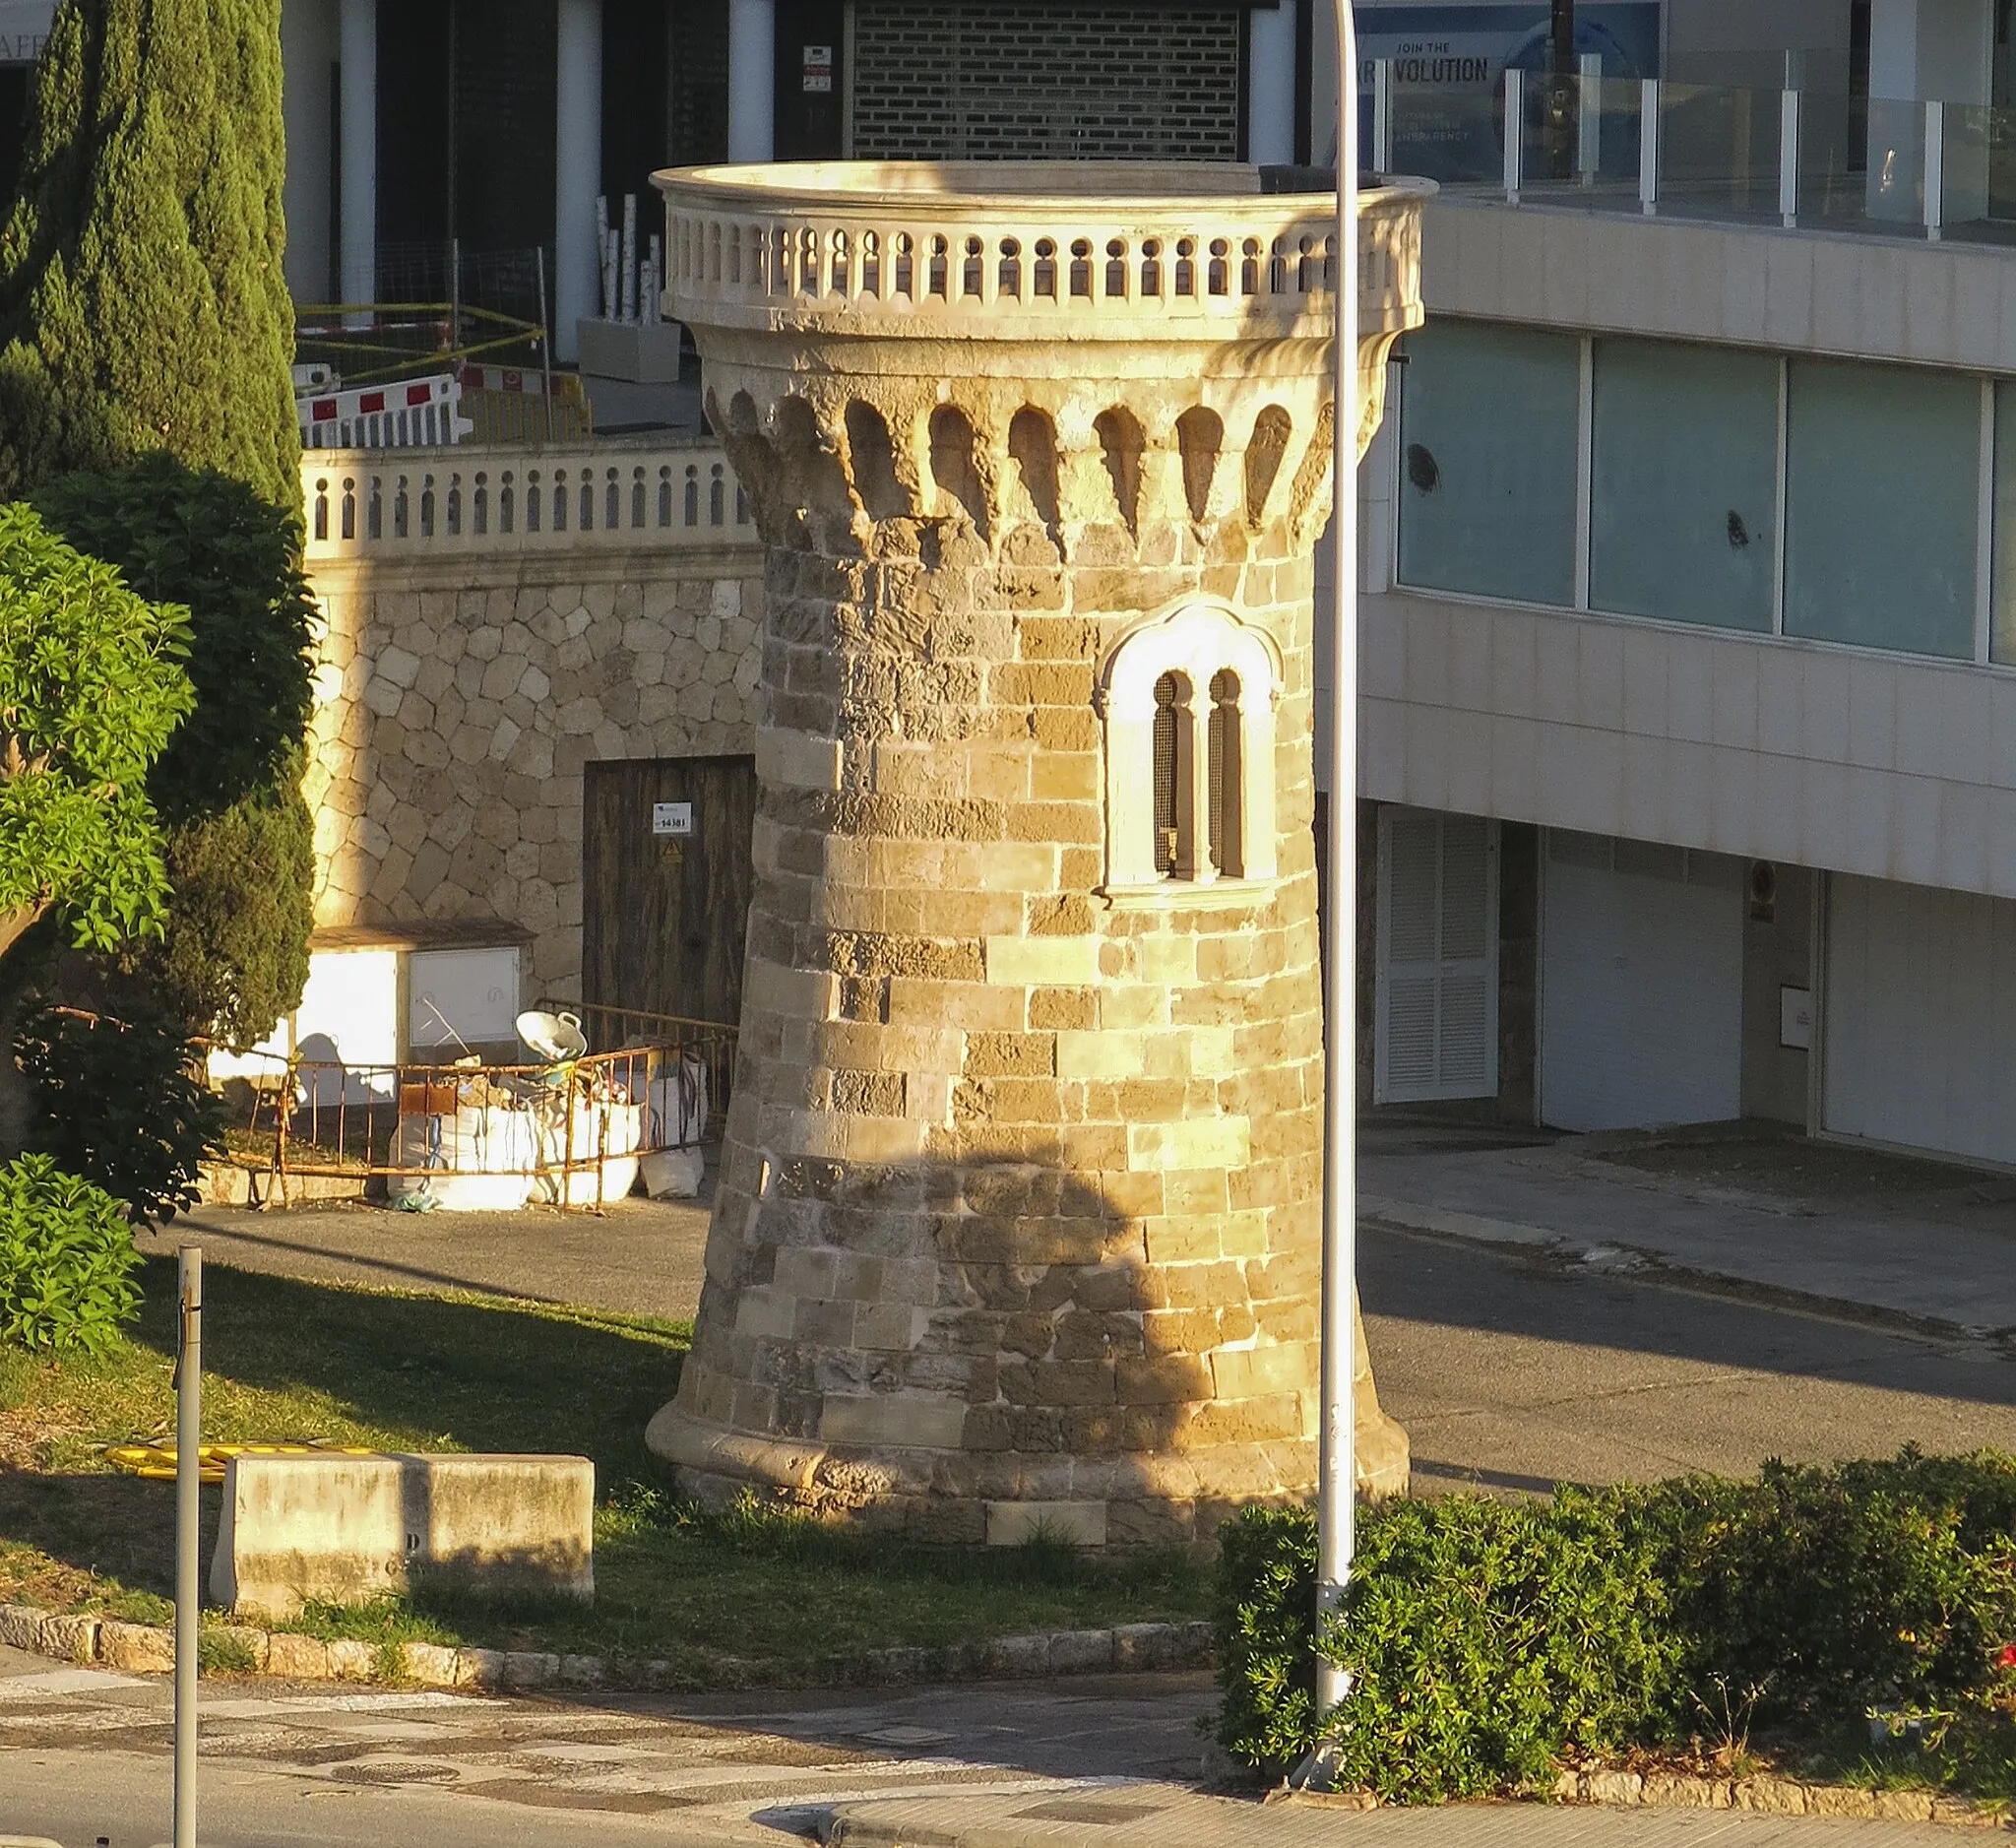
(569, 1132)
(1792, 155)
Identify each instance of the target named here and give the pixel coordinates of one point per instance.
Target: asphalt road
(1512, 1373)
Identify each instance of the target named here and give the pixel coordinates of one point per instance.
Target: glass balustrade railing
(1925, 169)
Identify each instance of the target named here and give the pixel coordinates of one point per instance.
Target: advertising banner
(1449, 65)
(23, 24)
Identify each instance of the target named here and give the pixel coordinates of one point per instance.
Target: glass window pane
(1488, 461)
(1883, 473)
(2002, 628)
(1685, 489)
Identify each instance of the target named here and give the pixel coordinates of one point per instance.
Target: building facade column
(578, 172)
(752, 80)
(1271, 84)
(357, 131)
(307, 49)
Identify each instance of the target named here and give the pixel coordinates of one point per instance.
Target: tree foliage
(142, 301)
(198, 537)
(235, 957)
(240, 853)
(92, 686)
(123, 1103)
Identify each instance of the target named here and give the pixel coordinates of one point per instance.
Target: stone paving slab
(1167, 1815)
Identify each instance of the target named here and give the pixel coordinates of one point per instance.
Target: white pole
(1338, 1465)
(357, 155)
(576, 169)
(752, 80)
(188, 1475)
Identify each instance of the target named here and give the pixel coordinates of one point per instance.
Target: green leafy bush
(1489, 1642)
(66, 1260)
(1484, 1640)
(92, 686)
(1826, 1590)
(122, 1102)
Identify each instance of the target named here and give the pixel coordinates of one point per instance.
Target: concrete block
(1019, 1656)
(429, 1664)
(480, 1668)
(71, 1638)
(291, 1658)
(347, 1529)
(352, 1661)
(1081, 1651)
(21, 1626)
(138, 1648)
(1143, 1645)
(530, 1668)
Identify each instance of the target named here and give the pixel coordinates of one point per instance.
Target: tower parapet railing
(416, 504)
(1210, 253)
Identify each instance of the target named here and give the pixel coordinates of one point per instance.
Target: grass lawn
(291, 1360)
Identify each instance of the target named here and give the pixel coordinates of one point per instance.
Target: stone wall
(459, 696)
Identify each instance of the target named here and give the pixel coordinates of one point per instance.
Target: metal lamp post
(1338, 1465)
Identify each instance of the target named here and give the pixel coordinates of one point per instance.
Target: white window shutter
(1437, 1019)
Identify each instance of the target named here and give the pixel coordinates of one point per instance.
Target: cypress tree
(142, 300)
(144, 319)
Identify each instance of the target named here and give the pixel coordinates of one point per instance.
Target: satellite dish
(553, 1036)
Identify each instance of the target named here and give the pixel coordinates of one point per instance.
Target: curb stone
(1767, 1795)
(285, 1656)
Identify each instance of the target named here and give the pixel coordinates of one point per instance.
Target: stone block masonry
(1018, 1224)
(459, 696)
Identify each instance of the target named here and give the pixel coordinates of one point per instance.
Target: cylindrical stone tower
(1018, 1220)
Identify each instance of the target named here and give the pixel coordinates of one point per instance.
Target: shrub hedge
(1489, 1642)
(67, 1260)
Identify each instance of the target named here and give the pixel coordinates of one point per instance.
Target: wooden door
(667, 879)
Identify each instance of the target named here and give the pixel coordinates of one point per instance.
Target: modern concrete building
(498, 123)
(1689, 714)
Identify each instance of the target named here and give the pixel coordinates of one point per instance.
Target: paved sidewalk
(1168, 1815)
(86, 1752)
(1835, 1229)
(641, 1257)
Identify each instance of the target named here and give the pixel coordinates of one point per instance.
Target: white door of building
(1641, 973)
(1436, 1030)
(1918, 1017)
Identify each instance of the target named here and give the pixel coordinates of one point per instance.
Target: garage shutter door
(1641, 985)
(1921, 1017)
(1437, 1029)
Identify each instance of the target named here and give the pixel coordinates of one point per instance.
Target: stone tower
(1018, 1219)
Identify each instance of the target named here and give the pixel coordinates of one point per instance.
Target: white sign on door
(671, 817)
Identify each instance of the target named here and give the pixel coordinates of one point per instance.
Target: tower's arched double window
(1188, 701)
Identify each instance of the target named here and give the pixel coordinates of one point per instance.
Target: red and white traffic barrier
(408, 413)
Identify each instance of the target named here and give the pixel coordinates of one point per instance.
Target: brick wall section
(458, 701)
(1036, 82)
(1019, 1215)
